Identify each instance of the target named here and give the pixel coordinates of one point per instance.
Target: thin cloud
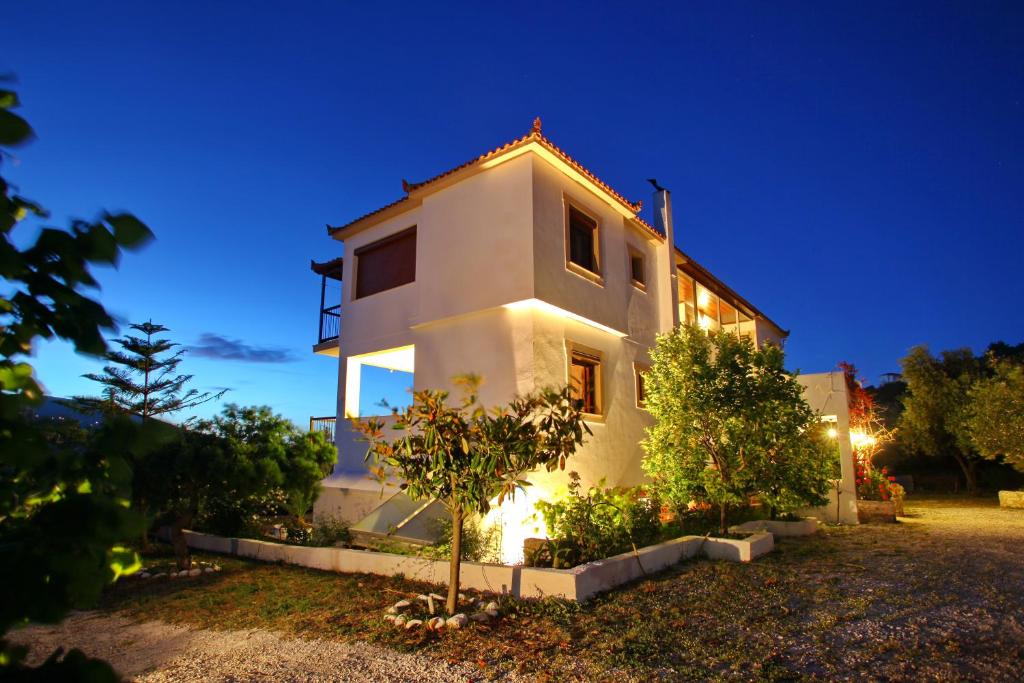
(215, 346)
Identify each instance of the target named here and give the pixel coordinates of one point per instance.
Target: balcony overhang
(329, 269)
(328, 347)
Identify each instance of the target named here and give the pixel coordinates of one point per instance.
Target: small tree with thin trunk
(142, 378)
(469, 458)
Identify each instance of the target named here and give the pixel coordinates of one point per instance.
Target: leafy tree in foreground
(63, 504)
(936, 407)
(141, 379)
(466, 457)
(730, 424)
(996, 421)
(244, 463)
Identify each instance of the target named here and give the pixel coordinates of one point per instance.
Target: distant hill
(54, 407)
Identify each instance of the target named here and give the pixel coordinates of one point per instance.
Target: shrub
(730, 423)
(329, 531)
(601, 523)
(873, 483)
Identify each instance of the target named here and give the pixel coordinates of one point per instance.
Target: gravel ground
(154, 651)
(937, 597)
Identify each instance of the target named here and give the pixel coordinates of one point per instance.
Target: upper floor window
(583, 242)
(386, 263)
(637, 269)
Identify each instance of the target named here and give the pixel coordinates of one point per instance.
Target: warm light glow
(832, 433)
(704, 322)
(538, 305)
(703, 297)
(401, 358)
(861, 439)
(517, 520)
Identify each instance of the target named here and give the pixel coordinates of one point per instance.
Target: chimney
(663, 222)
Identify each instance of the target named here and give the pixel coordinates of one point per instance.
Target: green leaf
(14, 130)
(129, 231)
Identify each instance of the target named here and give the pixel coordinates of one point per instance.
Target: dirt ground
(939, 596)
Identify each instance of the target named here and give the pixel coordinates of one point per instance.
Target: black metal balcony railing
(330, 324)
(323, 424)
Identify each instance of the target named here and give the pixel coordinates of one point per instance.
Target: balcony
(323, 424)
(330, 324)
(330, 316)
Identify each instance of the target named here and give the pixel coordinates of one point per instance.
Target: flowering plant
(875, 484)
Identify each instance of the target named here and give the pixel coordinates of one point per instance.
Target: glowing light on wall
(832, 433)
(704, 322)
(703, 298)
(538, 305)
(401, 359)
(517, 519)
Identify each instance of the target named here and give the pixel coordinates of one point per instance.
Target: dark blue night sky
(854, 169)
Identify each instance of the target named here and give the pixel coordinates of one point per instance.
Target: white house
(523, 267)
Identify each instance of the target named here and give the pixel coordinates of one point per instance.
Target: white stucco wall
(826, 394)
(475, 243)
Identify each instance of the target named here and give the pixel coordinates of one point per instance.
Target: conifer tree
(142, 378)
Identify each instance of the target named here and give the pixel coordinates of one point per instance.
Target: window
(637, 269)
(585, 379)
(386, 263)
(641, 394)
(582, 241)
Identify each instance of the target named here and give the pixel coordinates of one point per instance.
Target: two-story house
(523, 267)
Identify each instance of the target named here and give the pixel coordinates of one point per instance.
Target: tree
(141, 379)
(468, 458)
(996, 419)
(63, 505)
(730, 423)
(936, 407)
(243, 463)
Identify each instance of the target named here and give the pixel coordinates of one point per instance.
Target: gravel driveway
(155, 651)
(938, 597)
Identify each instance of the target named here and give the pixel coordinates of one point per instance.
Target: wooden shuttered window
(386, 263)
(585, 381)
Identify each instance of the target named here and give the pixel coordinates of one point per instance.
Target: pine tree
(142, 378)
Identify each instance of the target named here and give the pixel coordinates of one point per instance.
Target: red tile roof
(534, 135)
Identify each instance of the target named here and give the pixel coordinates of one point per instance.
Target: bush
(875, 484)
(602, 523)
(329, 531)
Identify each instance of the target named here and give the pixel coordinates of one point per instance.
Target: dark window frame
(633, 255)
(593, 362)
(402, 277)
(593, 271)
(638, 383)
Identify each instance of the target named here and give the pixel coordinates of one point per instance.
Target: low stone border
(578, 583)
(882, 511)
(739, 549)
(779, 528)
(1011, 499)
